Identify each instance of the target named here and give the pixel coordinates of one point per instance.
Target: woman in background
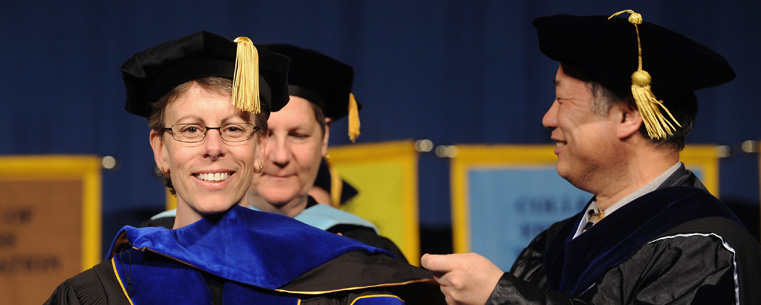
(320, 91)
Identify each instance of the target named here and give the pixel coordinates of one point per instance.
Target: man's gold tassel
(657, 125)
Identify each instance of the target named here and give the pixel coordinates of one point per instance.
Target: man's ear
(630, 120)
(159, 152)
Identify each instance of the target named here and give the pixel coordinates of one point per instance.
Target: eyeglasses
(194, 133)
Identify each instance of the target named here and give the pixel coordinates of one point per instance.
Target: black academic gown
(675, 245)
(246, 257)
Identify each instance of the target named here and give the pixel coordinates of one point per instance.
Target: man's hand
(465, 279)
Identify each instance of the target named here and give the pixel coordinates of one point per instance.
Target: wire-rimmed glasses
(194, 133)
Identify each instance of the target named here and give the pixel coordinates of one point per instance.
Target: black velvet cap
(322, 80)
(150, 74)
(607, 50)
(324, 181)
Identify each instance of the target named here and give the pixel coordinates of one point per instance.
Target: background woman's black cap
(607, 50)
(322, 80)
(150, 74)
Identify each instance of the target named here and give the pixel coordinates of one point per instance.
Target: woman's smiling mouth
(213, 177)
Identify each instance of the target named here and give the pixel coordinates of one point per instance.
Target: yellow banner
(50, 223)
(385, 174)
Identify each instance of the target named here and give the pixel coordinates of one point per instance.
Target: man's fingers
(438, 263)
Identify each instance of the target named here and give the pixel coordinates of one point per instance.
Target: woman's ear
(630, 120)
(159, 152)
(325, 138)
(261, 148)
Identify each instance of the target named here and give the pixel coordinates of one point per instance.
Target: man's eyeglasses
(194, 133)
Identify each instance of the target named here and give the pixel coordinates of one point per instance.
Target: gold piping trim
(119, 279)
(354, 288)
(376, 296)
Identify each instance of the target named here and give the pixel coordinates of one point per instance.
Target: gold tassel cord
(246, 77)
(657, 125)
(353, 118)
(336, 186)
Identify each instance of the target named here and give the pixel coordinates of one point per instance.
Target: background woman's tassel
(336, 187)
(246, 77)
(353, 118)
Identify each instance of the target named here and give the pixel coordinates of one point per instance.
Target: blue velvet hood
(254, 248)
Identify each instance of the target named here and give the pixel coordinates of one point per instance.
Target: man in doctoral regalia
(651, 234)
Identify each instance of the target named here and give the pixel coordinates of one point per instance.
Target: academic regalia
(286, 262)
(676, 244)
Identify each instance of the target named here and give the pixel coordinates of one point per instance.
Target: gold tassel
(336, 187)
(246, 77)
(657, 125)
(353, 118)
